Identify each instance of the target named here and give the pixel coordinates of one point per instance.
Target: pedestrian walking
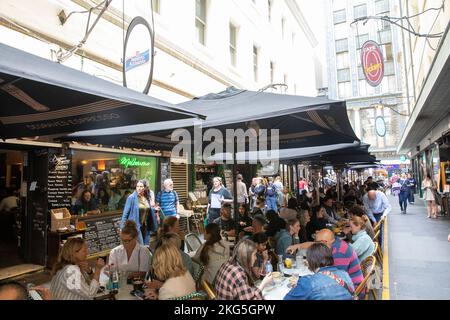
(429, 196)
(404, 193)
(411, 183)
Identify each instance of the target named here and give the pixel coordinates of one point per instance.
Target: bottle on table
(114, 276)
(280, 263)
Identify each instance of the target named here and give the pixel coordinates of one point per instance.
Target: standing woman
(138, 208)
(404, 193)
(428, 196)
(217, 195)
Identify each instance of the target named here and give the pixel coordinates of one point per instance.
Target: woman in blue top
(327, 282)
(139, 208)
(218, 195)
(286, 237)
(362, 242)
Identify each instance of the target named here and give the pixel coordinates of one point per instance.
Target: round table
(279, 290)
(124, 288)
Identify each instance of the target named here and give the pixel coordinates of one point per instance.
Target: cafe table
(279, 290)
(124, 288)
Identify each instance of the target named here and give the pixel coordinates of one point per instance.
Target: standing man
(271, 196)
(242, 195)
(411, 183)
(167, 200)
(377, 206)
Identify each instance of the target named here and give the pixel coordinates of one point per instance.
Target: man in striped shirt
(345, 258)
(167, 199)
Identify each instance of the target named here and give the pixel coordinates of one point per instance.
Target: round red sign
(372, 62)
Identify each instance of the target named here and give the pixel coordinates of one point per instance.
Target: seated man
(331, 214)
(225, 221)
(345, 258)
(13, 290)
(258, 223)
(86, 204)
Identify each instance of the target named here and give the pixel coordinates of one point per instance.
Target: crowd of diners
(270, 225)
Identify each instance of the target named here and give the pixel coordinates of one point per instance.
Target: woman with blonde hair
(362, 243)
(235, 280)
(70, 277)
(168, 267)
(428, 187)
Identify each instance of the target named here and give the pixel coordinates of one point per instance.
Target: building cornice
(304, 25)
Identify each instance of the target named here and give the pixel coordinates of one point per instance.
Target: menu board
(102, 233)
(59, 185)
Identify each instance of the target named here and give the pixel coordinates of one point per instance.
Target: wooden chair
(379, 224)
(209, 291)
(376, 253)
(368, 269)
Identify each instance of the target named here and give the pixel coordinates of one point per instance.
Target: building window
(156, 6)
(388, 84)
(341, 45)
(283, 27)
(362, 39)
(343, 75)
(381, 6)
(233, 36)
(345, 89)
(255, 63)
(342, 60)
(200, 20)
(389, 68)
(387, 52)
(360, 11)
(339, 16)
(272, 72)
(367, 117)
(385, 36)
(365, 89)
(385, 25)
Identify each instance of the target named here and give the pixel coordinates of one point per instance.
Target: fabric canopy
(41, 97)
(302, 121)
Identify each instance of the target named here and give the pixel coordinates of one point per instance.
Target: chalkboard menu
(59, 180)
(102, 233)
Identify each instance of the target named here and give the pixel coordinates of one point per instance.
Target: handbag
(341, 282)
(437, 197)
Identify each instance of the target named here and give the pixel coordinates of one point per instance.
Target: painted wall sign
(138, 54)
(372, 63)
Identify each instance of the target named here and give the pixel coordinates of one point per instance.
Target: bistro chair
(193, 242)
(184, 218)
(368, 269)
(376, 253)
(379, 224)
(198, 295)
(208, 289)
(199, 270)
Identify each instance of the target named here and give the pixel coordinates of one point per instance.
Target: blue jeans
(411, 196)
(213, 214)
(403, 199)
(271, 203)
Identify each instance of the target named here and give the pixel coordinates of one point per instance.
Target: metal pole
(235, 200)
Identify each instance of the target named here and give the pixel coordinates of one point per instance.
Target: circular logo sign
(380, 126)
(372, 63)
(138, 56)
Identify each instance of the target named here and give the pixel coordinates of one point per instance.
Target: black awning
(40, 97)
(302, 121)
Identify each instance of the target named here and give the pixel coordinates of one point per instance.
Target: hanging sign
(372, 63)
(138, 56)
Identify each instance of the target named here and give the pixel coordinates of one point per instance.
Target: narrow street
(419, 254)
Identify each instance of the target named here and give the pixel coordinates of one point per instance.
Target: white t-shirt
(139, 261)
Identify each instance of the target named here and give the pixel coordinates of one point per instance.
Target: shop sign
(372, 63)
(133, 162)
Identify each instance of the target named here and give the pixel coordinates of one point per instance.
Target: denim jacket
(321, 287)
(131, 212)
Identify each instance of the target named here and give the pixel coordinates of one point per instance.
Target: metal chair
(368, 269)
(208, 289)
(193, 242)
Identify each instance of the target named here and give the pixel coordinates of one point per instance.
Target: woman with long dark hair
(213, 253)
(139, 208)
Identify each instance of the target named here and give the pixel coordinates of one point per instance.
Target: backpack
(270, 192)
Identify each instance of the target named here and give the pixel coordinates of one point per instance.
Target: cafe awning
(40, 97)
(302, 121)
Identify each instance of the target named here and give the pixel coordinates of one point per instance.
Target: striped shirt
(69, 283)
(346, 259)
(168, 202)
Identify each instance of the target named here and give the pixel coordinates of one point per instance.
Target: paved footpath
(419, 254)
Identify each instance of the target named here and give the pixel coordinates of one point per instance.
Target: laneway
(419, 254)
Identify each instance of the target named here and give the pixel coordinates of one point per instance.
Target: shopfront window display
(103, 181)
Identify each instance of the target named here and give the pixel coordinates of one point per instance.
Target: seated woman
(286, 237)
(318, 220)
(103, 199)
(174, 238)
(169, 269)
(290, 212)
(262, 254)
(172, 225)
(70, 278)
(275, 223)
(235, 279)
(245, 220)
(130, 256)
(360, 212)
(305, 233)
(327, 282)
(85, 204)
(362, 243)
(213, 253)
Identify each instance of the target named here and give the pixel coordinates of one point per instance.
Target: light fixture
(84, 162)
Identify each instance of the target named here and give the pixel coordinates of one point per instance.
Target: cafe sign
(372, 63)
(133, 162)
